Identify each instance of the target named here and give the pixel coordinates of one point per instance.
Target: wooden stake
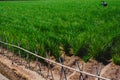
(62, 71)
(81, 75)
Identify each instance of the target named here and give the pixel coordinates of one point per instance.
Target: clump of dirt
(111, 71)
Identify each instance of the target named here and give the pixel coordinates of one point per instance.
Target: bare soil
(15, 71)
(21, 72)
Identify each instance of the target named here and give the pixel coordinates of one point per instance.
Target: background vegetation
(80, 27)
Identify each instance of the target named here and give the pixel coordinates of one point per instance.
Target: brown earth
(20, 72)
(9, 73)
(15, 71)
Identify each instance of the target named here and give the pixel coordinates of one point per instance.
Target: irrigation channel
(46, 70)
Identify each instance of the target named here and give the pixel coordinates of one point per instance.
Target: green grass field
(81, 27)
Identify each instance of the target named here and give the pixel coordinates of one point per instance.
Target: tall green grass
(84, 28)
